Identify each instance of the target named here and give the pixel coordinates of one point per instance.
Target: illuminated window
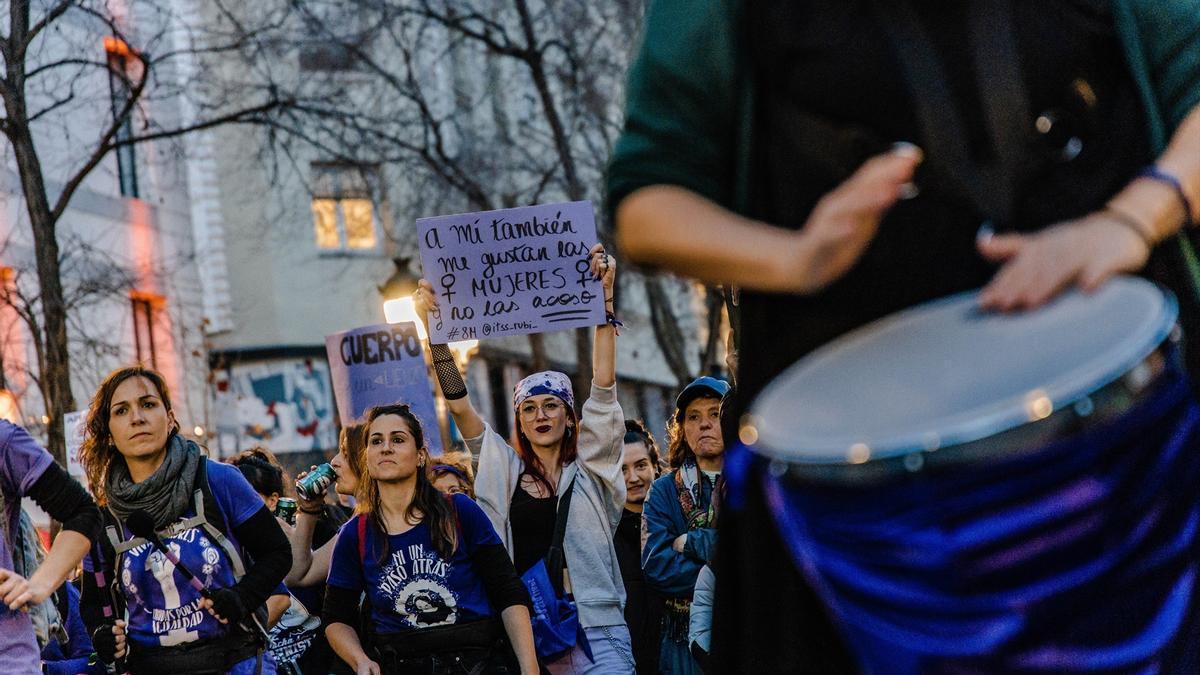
(122, 67)
(146, 310)
(343, 210)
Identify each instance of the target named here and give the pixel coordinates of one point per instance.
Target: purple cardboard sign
(511, 271)
(379, 365)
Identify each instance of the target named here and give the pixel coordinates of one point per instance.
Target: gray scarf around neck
(166, 494)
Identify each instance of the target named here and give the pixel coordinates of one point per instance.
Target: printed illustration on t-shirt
(161, 604)
(294, 634)
(414, 580)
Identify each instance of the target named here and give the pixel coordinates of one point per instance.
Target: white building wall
(150, 238)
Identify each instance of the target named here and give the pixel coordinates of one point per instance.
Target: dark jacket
(667, 570)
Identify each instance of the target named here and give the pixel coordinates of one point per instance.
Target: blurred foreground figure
(844, 161)
(27, 470)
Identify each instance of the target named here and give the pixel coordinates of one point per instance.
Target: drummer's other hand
(1038, 266)
(845, 220)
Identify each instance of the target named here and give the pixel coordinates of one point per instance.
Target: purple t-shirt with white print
(164, 610)
(22, 462)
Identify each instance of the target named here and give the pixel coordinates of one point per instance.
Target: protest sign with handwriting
(511, 271)
(381, 365)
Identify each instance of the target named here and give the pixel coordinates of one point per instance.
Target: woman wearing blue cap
(679, 519)
(558, 459)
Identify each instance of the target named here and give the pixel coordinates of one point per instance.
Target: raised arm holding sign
(601, 266)
(557, 453)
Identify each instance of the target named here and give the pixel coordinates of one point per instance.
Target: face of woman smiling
(392, 453)
(138, 420)
(544, 419)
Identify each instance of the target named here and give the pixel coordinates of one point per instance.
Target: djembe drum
(976, 492)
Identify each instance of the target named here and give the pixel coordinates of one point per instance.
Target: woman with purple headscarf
(520, 487)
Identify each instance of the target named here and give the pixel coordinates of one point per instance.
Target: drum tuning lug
(932, 442)
(1140, 376)
(914, 462)
(1084, 406)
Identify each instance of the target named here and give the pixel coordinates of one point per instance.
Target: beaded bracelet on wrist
(1158, 175)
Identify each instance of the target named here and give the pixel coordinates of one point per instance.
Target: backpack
(210, 518)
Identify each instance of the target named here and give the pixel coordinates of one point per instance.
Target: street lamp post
(399, 307)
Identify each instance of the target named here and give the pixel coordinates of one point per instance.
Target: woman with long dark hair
(520, 487)
(434, 572)
(138, 465)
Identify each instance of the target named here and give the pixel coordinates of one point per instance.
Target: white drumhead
(944, 373)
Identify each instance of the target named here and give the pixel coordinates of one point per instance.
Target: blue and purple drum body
(980, 493)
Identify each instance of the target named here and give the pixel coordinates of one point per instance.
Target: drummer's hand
(1085, 252)
(845, 220)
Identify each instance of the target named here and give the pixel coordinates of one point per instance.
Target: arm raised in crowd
(450, 381)
(602, 422)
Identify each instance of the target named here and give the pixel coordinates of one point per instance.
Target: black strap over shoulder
(555, 559)
(990, 186)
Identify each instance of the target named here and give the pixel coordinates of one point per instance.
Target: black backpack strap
(107, 559)
(989, 185)
(555, 558)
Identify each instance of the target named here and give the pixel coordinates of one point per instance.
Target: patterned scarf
(689, 483)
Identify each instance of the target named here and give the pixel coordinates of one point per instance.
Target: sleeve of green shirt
(682, 103)
(1161, 39)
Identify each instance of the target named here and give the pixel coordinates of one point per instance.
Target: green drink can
(313, 486)
(286, 509)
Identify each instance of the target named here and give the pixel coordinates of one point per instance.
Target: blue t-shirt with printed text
(414, 587)
(164, 610)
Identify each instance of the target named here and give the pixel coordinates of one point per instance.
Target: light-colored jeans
(612, 652)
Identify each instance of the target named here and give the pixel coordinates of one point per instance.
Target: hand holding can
(311, 486)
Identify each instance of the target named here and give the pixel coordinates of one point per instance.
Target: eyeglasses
(529, 411)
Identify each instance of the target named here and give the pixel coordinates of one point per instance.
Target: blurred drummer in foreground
(841, 161)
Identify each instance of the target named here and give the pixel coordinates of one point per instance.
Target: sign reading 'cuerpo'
(380, 365)
(511, 272)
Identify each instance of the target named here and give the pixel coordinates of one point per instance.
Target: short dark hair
(262, 470)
